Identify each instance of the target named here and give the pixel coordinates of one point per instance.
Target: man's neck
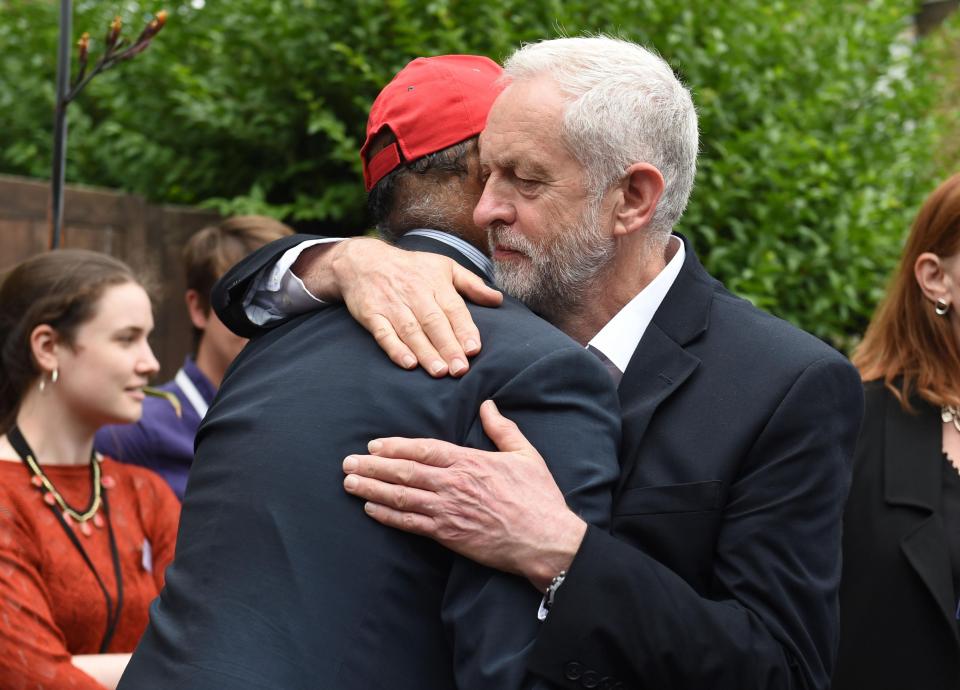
(633, 268)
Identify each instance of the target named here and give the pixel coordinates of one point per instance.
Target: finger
(461, 321)
(408, 522)
(406, 324)
(432, 318)
(471, 286)
(388, 340)
(505, 435)
(397, 497)
(425, 451)
(397, 471)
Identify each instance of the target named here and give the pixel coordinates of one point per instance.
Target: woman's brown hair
(906, 344)
(59, 288)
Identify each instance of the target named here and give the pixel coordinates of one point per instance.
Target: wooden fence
(147, 236)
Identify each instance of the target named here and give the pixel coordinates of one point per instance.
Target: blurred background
(824, 124)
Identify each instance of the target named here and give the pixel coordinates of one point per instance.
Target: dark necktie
(612, 369)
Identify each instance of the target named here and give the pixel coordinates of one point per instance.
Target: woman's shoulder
(142, 491)
(878, 399)
(142, 480)
(14, 479)
(876, 389)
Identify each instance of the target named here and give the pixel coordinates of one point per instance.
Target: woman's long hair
(909, 347)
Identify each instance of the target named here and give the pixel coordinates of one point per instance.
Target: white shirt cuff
(276, 293)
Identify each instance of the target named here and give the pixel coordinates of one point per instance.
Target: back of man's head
(421, 145)
(625, 105)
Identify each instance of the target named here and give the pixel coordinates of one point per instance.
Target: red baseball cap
(431, 104)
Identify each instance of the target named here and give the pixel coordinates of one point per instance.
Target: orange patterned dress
(51, 606)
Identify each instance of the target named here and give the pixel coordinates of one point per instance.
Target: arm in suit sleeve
(565, 404)
(227, 297)
(769, 617)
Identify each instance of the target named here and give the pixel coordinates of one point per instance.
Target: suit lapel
(913, 477)
(661, 364)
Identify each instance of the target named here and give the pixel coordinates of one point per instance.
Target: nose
(147, 364)
(494, 205)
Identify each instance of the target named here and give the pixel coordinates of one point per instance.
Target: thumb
(505, 434)
(471, 286)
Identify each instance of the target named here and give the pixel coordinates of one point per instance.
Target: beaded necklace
(66, 514)
(950, 414)
(53, 497)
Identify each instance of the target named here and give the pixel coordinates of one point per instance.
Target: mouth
(135, 392)
(502, 253)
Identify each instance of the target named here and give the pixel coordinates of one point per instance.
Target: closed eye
(527, 185)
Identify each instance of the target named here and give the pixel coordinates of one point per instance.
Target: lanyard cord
(19, 444)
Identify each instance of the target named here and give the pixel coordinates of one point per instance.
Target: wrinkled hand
(503, 510)
(410, 302)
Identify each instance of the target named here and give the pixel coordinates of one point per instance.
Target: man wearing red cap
(722, 566)
(280, 580)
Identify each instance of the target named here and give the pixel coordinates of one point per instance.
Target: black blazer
(724, 563)
(281, 581)
(898, 629)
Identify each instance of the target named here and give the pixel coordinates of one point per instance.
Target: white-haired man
(722, 566)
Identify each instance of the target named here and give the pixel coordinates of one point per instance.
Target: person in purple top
(163, 438)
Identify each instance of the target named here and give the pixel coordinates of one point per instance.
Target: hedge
(820, 120)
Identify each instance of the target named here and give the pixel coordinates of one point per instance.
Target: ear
(195, 307)
(43, 346)
(640, 192)
(932, 279)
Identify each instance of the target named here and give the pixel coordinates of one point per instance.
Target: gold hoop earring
(942, 307)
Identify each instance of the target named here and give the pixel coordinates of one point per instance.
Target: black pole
(60, 123)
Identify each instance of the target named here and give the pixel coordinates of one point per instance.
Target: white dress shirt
(618, 339)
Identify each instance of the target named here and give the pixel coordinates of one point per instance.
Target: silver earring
(55, 376)
(942, 307)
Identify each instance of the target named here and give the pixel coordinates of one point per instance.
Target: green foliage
(818, 119)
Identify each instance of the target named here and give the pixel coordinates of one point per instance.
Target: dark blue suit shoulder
(764, 337)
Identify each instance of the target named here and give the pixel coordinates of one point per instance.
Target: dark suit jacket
(723, 565)
(898, 629)
(281, 581)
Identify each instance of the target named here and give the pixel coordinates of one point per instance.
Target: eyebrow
(134, 330)
(530, 167)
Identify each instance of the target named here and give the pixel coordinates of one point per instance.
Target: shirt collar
(475, 256)
(618, 339)
(199, 379)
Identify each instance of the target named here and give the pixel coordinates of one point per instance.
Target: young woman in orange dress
(84, 540)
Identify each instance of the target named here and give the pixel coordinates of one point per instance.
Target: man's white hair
(625, 106)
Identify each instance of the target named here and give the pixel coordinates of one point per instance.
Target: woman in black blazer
(899, 597)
